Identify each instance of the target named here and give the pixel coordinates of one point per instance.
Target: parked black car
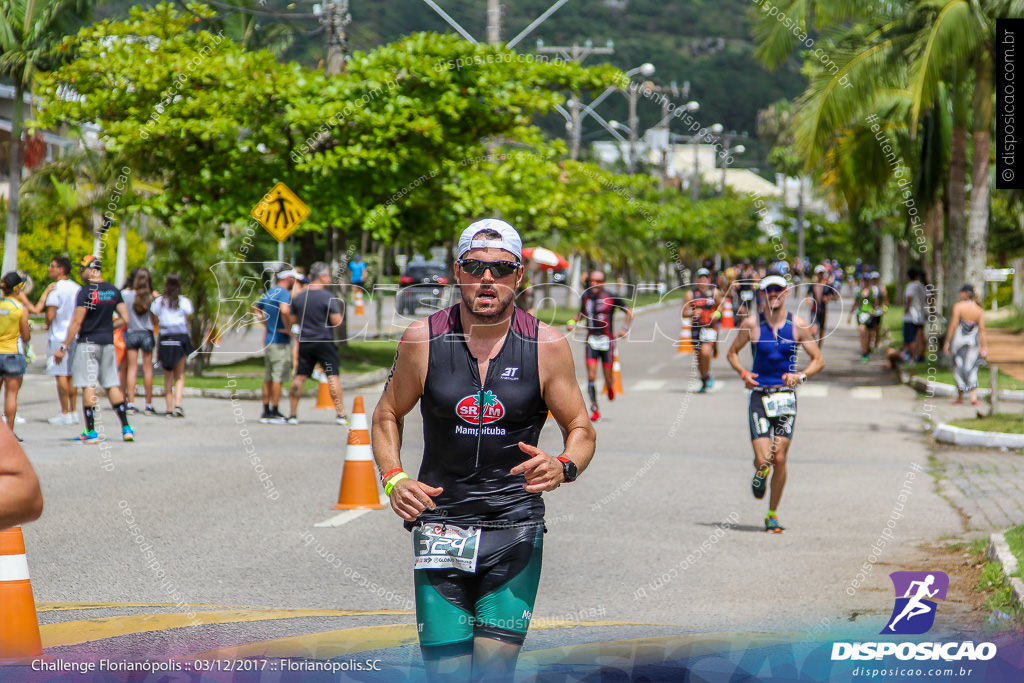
(424, 283)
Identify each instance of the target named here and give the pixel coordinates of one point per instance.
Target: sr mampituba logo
(469, 408)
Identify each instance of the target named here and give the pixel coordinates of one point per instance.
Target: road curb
(959, 436)
(999, 551)
(355, 382)
(931, 388)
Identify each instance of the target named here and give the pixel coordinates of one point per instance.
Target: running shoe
(595, 415)
(759, 482)
(150, 410)
(266, 416)
(88, 437)
(75, 420)
(131, 409)
(703, 386)
(62, 419)
(864, 358)
(772, 526)
(293, 420)
(711, 382)
(343, 420)
(179, 412)
(127, 433)
(611, 392)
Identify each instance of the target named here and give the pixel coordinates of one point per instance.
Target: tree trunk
(934, 223)
(977, 223)
(17, 153)
(956, 237)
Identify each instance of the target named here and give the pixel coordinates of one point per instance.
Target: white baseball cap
(291, 272)
(510, 240)
(774, 280)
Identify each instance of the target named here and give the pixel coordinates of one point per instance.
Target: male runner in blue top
(772, 400)
(485, 374)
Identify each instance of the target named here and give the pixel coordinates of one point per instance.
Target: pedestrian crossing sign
(280, 211)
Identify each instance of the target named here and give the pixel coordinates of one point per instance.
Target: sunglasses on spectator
(499, 269)
(774, 289)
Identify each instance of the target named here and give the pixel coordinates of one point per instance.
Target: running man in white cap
(485, 374)
(771, 413)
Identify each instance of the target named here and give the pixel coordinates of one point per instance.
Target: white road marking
(649, 385)
(343, 518)
(866, 393)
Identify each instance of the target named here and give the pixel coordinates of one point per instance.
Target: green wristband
(392, 481)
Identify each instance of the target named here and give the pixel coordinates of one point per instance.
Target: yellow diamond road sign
(280, 212)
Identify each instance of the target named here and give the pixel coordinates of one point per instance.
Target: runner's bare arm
(558, 386)
(403, 389)
(810, 345)
(20, 497)
(743, 337)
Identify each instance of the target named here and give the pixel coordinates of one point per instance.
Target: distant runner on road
(702, 303)
(485, 374)
(771, 404)
(597, 308)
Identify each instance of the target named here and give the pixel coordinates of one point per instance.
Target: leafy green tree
(29, 32)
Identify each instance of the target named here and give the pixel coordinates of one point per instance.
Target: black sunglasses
(774, 289)
(499, 269)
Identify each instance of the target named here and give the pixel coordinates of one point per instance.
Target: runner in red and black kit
(596, 310)
(703, 304)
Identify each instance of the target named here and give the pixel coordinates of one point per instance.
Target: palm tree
(29, 32)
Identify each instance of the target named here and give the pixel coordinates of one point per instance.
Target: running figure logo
(916, 593)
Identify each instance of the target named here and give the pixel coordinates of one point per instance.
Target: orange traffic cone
(728, 321)
(19, 627)
(324, 400)
(359, 477)
(357, 299)
(685, 337)
(616, 374)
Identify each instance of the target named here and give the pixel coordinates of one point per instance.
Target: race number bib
(443, 546)
(746, 295)
(708, 334)
(863, 318)
(779, 403)
(599, 342)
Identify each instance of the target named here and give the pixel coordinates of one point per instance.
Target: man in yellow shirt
(13, 324)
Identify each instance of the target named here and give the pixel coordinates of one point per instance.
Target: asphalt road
(660, 537)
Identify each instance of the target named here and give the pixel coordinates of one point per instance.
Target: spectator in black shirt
(95, 358)
(317, 313)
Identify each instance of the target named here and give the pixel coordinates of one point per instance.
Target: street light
(738, 149)
(645, 69)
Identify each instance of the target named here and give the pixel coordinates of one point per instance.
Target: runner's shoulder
(549, 334)
(417, 332)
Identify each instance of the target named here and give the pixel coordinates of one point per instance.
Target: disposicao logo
(913, 614)
(916, 595)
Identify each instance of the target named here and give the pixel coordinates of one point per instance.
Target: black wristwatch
(569, 470)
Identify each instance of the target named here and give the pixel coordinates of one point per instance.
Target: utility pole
(335, 19)
(575, 53)
(494, 22)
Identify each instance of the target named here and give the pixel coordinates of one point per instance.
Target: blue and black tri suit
(471, 431)
(774, 355)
